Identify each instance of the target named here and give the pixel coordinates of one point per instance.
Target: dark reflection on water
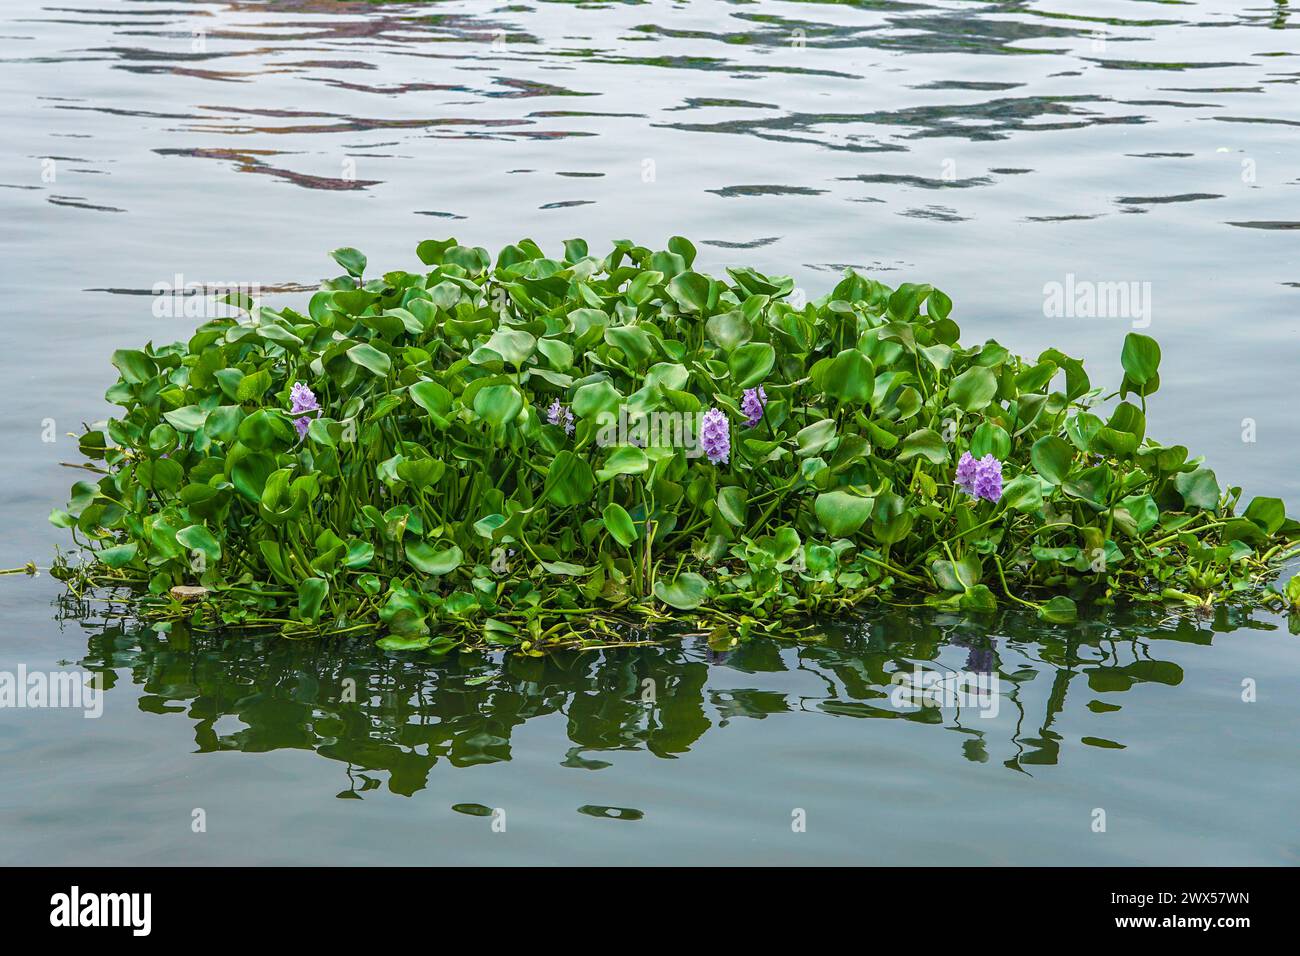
(391, 718)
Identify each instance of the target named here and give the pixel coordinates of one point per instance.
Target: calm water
(988, 148)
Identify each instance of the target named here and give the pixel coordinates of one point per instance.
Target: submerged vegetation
(534, 453)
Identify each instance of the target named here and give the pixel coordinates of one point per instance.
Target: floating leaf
(686, 593)
(424, 557)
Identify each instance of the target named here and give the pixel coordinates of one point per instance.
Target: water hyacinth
(988, 480)
(715, 436)
(302, 399)
(422, 471)
(979, 478)
(558, 414)
(752, 405)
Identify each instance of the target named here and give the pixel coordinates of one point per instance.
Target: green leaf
(395, 642)
(990, 439)
(1141, 513)
(359, 554)
(623, 460)
(690, 290)
(558, 354)
(891, 522)
(136, 367)
(686, 593)
(351, 260)
(253, 386)
(250, 474)
(750, 363)
(979, 600)
(589, 401)
(198, 538)
(842, 513)
(187, 419)
(311, 594)
(1023, 493)
(1140, 358)
(619, 524)
(815, 437)
(632, 341)
(850, 378)
(569, 480)
(498, 404)
(1199, 488)
(1059, 610)
(732, 502)
(432, 397)
(1052, 458)
(514, 346)
(431, 251)
(973, 389)
(118, 556)
(958, 575)
(424, 557)
(1268, 513)
(729, 329)
(371, 359)
(404, 614)
(927, 443)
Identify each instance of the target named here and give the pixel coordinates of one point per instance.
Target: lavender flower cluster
(558, 414)
(980, 477)
(302, 400)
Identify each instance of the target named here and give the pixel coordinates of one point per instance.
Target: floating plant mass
(534, 453)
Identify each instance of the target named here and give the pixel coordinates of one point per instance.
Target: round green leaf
(1140, 357)
(926, 443)
(424, 557)
(842, 513)
(686, 593)
(569, 480)
(1052, 458)
(498, 404)
(750, 363)
(850, 378)
(973, 389)
(198, 538)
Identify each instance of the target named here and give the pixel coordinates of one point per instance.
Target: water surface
(988, 148)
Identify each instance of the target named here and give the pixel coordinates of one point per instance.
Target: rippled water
(988, 148)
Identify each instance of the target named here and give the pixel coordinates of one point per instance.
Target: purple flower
(715, 436)
(980, 478)
(557, 414)
(752, 405)
(966, 470)
(302, 399)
